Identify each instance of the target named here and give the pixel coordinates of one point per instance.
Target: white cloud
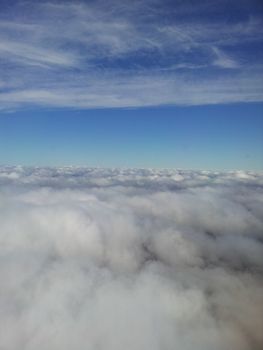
(222, 60)
(145, 259)
(52, 50)
(143, 90)
(31, 55)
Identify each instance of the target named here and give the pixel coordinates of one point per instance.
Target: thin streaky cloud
(29, 55)
(51, 46)
(143, 90)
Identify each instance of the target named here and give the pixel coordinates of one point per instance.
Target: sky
(132, 83)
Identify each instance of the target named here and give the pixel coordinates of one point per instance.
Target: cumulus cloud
(130, 258)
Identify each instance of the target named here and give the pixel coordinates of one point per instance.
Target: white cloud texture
(130, 259)
(90, 54)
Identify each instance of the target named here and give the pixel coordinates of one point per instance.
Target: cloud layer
(130, 259)
(121, 54)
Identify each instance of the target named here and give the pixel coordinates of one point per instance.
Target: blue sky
(204, 137)
(132, 83)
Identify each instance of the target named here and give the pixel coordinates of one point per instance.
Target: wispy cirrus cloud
(27, 54)
(62, 54)
(142, 90)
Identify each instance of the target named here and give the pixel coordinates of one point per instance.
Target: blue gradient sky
(143, 83)
(204, 137)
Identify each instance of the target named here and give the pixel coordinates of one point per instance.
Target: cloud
(54, 49)
(130, 258)
(143, 90)
(29, 55)
(224, 61)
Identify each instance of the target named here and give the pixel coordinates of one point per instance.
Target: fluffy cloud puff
(130, 259)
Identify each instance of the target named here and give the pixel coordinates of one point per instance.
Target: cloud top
(132, 258)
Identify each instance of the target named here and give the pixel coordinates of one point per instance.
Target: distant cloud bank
(97, 54)
(115, 259)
